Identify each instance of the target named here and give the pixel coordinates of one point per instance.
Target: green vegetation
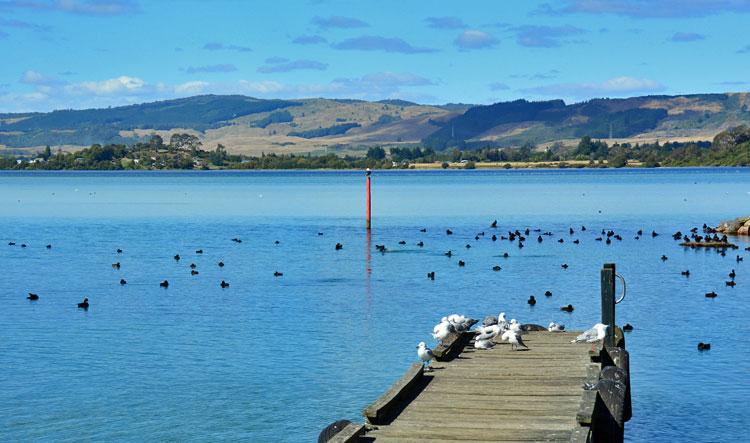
(275, 117)
(479, 119)
(324, 132)
(90, 126)
(185, 151)
(521, 121)
(729, 148)
(325, 122)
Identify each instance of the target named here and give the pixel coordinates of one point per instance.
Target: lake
(279, 358)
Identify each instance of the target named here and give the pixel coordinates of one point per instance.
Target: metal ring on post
(624, 288)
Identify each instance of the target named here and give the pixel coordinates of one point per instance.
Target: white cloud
(193, 87)
(126, 89)
(473, 39)
(36, 78)
(262, 87)
(118, 85)
(618, 86)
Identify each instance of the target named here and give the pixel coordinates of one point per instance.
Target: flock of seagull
(492, 327)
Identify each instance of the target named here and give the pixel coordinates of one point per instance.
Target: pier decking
(498, 395)
(554, 391)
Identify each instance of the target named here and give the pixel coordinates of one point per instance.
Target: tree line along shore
(185, 151)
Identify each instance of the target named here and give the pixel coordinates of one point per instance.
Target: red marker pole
(369, 206)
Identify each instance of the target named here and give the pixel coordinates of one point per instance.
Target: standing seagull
(515, 341)
(425, 354)
(592, 335)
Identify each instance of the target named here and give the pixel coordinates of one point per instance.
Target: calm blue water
(277, 359)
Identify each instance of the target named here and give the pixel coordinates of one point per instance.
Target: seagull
(425, 354)
(461, 323)
(501, 322)
(443, 330)
(554, 327)
(457, 318)
(439, 325)
(506, 335)
(489, 320)
(488, 332)
(515, 327)
(483, 344)
(594, 334)
(516, 342)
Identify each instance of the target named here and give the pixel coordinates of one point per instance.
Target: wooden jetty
(555, 391)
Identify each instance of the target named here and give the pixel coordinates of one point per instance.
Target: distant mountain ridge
(521, 121)
(251, 125)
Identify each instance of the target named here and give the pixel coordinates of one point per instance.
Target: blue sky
(79, 53)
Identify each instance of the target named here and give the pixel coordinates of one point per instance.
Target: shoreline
(388, 170)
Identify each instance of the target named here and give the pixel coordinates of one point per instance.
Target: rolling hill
(251, 126)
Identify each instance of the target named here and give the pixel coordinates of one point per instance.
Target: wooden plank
(464, 434)
(621, 358)
(452, 346)
(585, 413)
(386, 405)
(580, 434)
(350, 434)
(488, 413)
(608, 301)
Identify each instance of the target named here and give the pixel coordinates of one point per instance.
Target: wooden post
(369, 206)
(608, 302)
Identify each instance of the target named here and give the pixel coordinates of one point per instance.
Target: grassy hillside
(254, 126)
(520, 122)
